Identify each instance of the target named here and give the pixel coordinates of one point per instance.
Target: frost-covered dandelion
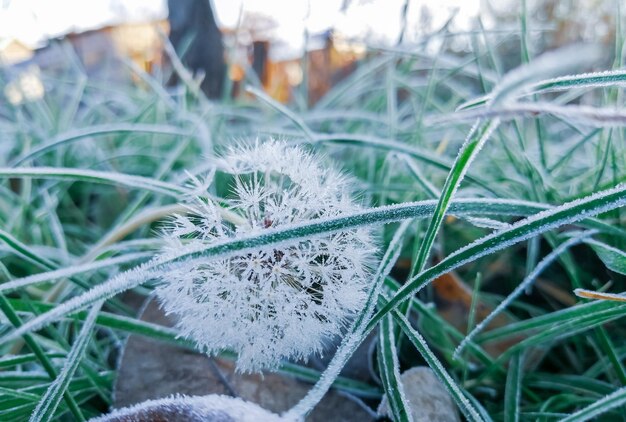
(282, 300)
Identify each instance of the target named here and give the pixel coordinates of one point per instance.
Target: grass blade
(512, 393)
(92, 176)
(48, 404)
(540, 223)
(8, 311)
(100, 130)
(390, 372)
(473, 144)
(422, 347)
(613, 400)
(613, 258)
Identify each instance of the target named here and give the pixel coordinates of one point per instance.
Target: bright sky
(34, 20)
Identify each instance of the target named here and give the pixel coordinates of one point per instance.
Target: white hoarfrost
(278, 301)
(213, 408)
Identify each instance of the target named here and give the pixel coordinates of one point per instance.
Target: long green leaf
(613, 400)
(472, 146)
(34, 346)
(92, 176)
(613, 258)
(422, 347)
(512, 392)
(48, 404)
(532, 226)
(100, 130)
(525, 229)
(390, 372)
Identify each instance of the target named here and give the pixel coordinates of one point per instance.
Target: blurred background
(295, 50)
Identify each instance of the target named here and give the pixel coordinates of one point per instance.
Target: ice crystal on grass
(213, 408)
(278, 301)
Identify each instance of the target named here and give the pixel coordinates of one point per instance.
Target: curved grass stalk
(548, 64)
(146, 217)
(591, 116)
(100, 130)
(471, 147)
(93, 176)
(544, 322)
(70, 271)
(608, 78)
(613, 400)
(524, 229)
(391, 145)
(567, 328)
(308, 133)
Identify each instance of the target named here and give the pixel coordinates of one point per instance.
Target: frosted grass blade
(422, 347)
(92, 176)
(100, 130)
(539, 223)
(525, 229)
(613, 400)
(390, 372)
(519, 289)
(50, 401)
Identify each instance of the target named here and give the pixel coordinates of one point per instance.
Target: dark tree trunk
(198, 42)
(260, 51)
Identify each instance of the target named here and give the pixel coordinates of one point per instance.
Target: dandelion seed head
(282, 301)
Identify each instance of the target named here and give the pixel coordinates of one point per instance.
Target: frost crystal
(211, 408)
(278, 301)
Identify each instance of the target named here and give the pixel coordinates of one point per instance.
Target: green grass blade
(613, 258)
(92, 176)
(100, 130)
(395, 146)
(566, 329)
(308, 133)
(390, 372)
(48, 404)
(512, 392)
(422, 347)
(539, 223)
(525, 229)
(475, 141)
(34, 346)
(544, 322)
(613, 400)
